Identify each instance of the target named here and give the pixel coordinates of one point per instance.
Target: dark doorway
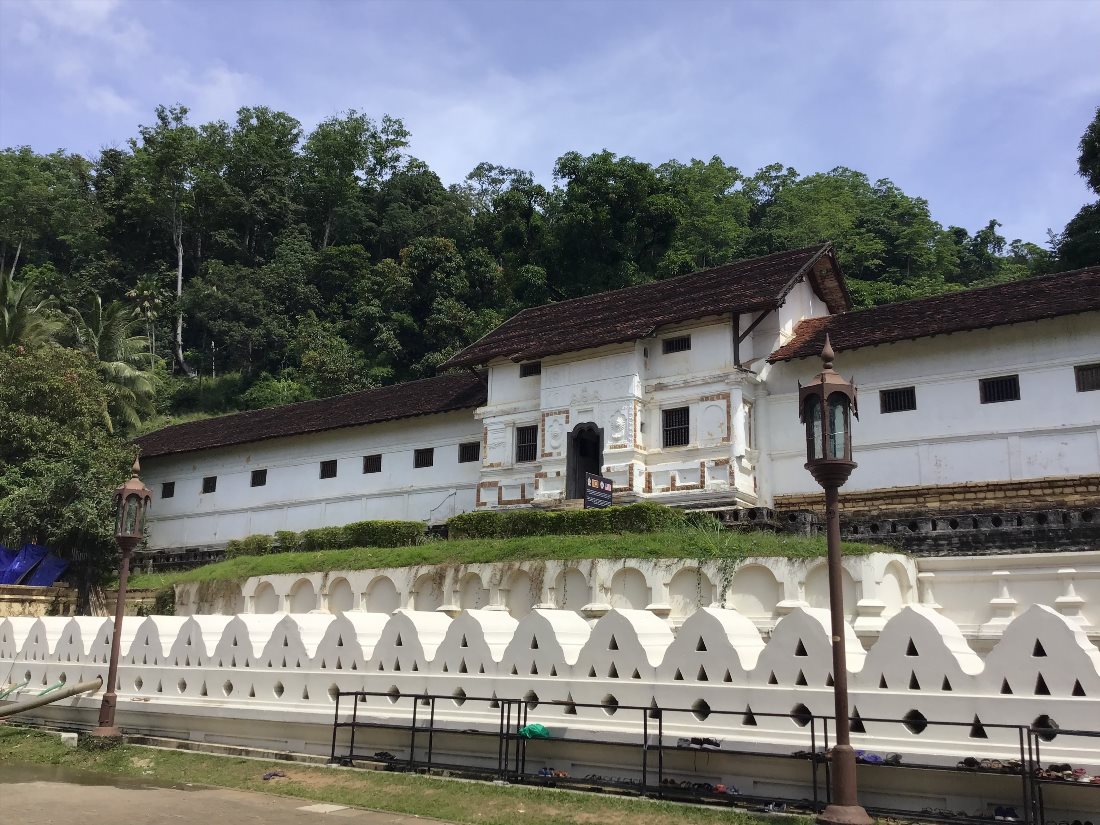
(585, 456)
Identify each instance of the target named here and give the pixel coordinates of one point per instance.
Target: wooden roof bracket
(739, 337)
(481, 375)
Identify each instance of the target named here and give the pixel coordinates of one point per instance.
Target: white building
(679, 391)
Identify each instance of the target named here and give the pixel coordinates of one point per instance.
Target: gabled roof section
(1032, 299)
(637, 312)
(445, 393)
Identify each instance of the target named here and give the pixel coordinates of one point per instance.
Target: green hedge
(631, 518)
(356, 534)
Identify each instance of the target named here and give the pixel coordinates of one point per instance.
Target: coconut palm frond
(25, 315)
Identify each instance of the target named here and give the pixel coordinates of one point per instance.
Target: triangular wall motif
(635, 674)
(728, 677)
(534, 669)
(800, 649)
(855, 724)
(1038, 650)
(481, 668)
(829, 681)
(882, 682)
(946, 684)
(462, 666)
(747, 718)
(701, 645)
(612, 672)
(464, 642)
(399, 643)
(415, 666)
(913, 683)
(800, 679)
(1077, 689)
(613, 645)
(553, 670)
(977, 729)
(679, 677)
(591, 673)
(570, 707)
(534, 643)
(1041, 688)
(1006, 688)
(701, 676)
(772, 680)
(911, 649)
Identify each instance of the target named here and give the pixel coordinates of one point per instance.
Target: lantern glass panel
(815, 438)
(838, 425)
(130, 526)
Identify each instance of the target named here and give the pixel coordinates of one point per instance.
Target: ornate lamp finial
(827, 355)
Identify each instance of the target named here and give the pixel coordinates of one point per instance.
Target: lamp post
(131, 505)
(826, 406)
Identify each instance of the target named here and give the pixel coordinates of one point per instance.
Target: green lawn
(680, 544)
(449, 800)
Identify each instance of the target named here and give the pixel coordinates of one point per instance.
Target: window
(328, 468)
(470, 451)
(527, 443)
(1088, 377)
(259, 478)
(531, 368)
(424, 457)
(898, 400)
(676, 426)
(681, 343)
(168, 489)
(210, 484)
(372, 463)
(1002, 388)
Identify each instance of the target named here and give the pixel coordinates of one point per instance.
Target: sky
(977, 107)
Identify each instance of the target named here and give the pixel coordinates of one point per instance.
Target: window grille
(1088, 377)
(527, 443)
(531, 368)
(681, 343)
(470, 451)
(259, 478)
(372, 463)
(328, 468)
(210, 484)
(901, 399)
(1002, 388)
(424, 457)
(168, 489)
(676, 429)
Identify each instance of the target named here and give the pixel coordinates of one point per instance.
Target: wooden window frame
(209, 484)
(328, 469)
(527, 443)
(999, 389)
(675, 344)
(259, 478)
(897, 399)
(423, 457)
(372, 463)
(469, 451)
(531, 369)
(168, 489)
(676, 434)
(1087, 377)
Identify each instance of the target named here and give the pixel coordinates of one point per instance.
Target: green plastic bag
(534, 731)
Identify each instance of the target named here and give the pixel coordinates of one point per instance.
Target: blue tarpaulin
(29, 555)
(7, 556)
(47, 572)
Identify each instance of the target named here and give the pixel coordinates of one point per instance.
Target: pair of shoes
(776, 807)
(385, 756)
(1004, 813)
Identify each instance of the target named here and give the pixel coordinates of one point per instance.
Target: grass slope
(451, 801)
(680, 544)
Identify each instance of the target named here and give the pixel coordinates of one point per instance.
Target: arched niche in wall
(520, 596)
(895, 590)
(230, 599)
(755, 591)
(472, 594)
(817, 588)
(629, 589)
(427, 592)
(302, 598)
(689, 590)
(266, 600)
(571, 590)
(381, 596)
(340, 596)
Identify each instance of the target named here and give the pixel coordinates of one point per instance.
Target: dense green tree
(25, 316)
(1088, 162)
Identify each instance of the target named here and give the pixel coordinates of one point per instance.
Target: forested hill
(310, 263)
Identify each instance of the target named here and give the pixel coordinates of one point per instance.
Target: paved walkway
(62, 803)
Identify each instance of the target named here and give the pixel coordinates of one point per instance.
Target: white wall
(296, 498)
(951, 437)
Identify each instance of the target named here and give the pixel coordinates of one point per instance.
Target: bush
(323, 538)
(258, 545)
(631, 518)
(164, 602)
(286, 541)
(383, 533)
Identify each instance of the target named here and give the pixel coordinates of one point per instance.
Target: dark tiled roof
(445, 393)
(638, 311)
(1032, 299)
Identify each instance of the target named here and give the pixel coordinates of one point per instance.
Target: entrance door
(585, 456)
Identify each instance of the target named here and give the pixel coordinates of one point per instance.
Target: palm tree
(148, 296)
(25, 319)
(110, 335)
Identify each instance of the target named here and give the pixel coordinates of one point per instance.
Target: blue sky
(976, 106)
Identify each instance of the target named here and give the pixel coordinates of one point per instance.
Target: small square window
(531, 368)
(168, 489)
(676, 426)
(1002, 388)
(470, 451)
(1088, 377)
(681, 343)
(527, 443)
(424, 457)
(901, 399)
(210, 484)
(328, 468)
(259, 478)
(372, 463)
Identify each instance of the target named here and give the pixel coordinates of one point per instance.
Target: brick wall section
(1034, 493)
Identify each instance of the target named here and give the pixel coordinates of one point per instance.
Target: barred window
(681, 343)
(168, 489)
(1088, 377)
(470, 451)
(424, 457)
(210, 484)
(328, 468)
(676, 426)
(1001, 388)
(527, 443)
(259, 478)
(531, 368)
(372, 463)
(901, 399)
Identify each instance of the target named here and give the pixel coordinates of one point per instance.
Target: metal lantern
(131, 505)
(826, 407)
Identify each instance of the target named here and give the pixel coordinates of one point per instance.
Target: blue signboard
(597, 491)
